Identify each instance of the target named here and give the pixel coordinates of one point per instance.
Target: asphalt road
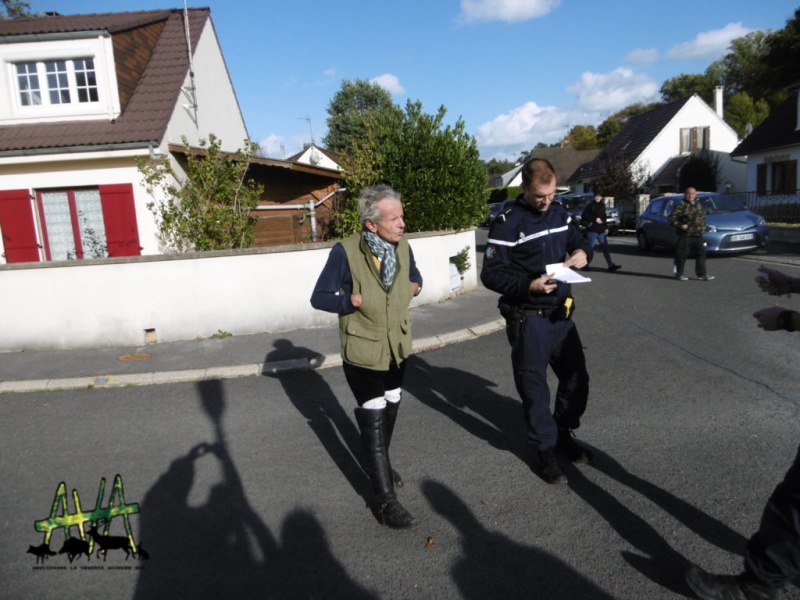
(251, 488)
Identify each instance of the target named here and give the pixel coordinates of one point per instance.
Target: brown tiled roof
(152, 63)
(631, 141)
(778, 130)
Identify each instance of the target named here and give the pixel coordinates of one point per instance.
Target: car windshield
(573, 203)
(720, 204)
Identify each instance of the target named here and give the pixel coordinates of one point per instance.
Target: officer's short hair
(538, 169)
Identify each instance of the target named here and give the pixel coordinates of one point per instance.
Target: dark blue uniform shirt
(522, 242)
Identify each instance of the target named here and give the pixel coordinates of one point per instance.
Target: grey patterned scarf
(386, 253)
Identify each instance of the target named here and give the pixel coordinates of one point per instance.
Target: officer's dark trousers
(543, 342)
(690, 244)
(773, 553)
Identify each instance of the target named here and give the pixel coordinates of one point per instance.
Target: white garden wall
(118, 302)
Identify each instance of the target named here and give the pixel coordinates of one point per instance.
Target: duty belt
(537, 312)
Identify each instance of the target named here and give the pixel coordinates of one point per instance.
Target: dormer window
(57, 82)
(58, 79)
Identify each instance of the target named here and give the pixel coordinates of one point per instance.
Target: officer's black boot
(372, 424)
(391, 417)
(727, 587)
(548, 467)
(570, 449)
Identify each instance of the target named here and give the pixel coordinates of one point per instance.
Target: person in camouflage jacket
(689, 220)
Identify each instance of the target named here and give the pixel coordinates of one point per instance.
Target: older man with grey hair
(369, 280)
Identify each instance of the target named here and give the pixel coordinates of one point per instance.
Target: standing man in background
(689, 220)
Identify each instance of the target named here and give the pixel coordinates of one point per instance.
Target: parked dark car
(575, 203)
(730, 227)
(494, 210)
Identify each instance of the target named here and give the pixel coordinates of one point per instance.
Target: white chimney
(718, 100)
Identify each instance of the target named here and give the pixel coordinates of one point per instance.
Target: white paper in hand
(565, 274)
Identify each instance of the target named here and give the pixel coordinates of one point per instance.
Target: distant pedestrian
(772, 558)
(594, 215)
(689, 220)
(369, 281)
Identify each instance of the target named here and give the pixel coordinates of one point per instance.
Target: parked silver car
(730, 227)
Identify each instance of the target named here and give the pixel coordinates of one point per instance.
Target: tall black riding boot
(372, 424)
(391, 417)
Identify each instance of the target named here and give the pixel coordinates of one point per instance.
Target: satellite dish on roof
(748, 129)
(314, 156)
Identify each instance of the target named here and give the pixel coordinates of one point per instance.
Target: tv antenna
(310, 131)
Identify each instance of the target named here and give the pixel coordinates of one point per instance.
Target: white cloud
(608, 92)
(642, 55)
(329, 72)
(522, 127)
(511, 11)
(389, 82)
(709, 44)
(598, 95)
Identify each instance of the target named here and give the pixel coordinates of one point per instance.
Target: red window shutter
(119, 218)
(19, 231)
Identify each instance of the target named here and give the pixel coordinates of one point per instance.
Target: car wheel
(642, 241)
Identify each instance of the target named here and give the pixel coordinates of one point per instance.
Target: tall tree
(349, 110)
(582, 137)
(14, 9)
(779, 63)
(436, 167)
(741, 110)
(739, 70)
(495, 166)
(685, 84)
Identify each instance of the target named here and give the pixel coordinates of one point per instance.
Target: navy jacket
(335, 283)
(522, 242)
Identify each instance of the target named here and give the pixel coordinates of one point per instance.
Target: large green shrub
(436, 168)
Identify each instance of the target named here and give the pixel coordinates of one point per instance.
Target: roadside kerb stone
(234, 371)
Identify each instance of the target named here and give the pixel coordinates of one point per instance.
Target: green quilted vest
(381, 327)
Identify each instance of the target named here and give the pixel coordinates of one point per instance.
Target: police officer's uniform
(522, 241)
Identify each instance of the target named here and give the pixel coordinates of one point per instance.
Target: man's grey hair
(368, 202)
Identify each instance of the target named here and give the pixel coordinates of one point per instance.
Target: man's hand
(355, 300)
(774, 282)
(768, 317)
(540, 285)
(577, 259)
(415, 288)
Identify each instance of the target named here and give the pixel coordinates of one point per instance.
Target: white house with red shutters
(80, 98)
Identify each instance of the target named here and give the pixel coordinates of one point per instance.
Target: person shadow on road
(313, 398)
(494, 566)
(221, 548)
(470, 402)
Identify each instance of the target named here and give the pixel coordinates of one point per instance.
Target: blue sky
(518, 72)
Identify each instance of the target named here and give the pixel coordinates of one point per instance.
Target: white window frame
(98, 48)
(44, 73)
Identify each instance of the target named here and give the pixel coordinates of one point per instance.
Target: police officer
(533, 233)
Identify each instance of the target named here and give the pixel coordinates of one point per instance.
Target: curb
(232, 372)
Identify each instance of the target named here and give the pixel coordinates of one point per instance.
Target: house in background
(772, 152)
(565, 161)
(315, 156)
(658, 142)
(83, 97)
